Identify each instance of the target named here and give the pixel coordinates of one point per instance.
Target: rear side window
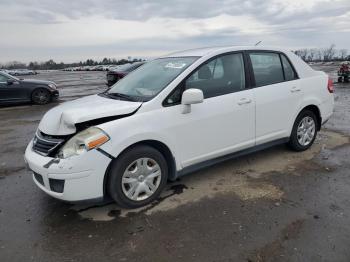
(289, 72)
(267, 68)
(220, 76)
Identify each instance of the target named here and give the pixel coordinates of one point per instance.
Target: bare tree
(15, 64)
(343, 54)
(313, 54)
(328, 53)
(302, 53)
(319, 55)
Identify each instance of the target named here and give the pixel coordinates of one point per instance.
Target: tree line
(307, 54)
(52, 65)
(327, 54)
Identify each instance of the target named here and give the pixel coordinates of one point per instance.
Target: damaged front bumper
(76, 178)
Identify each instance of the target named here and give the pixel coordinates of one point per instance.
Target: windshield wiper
(123, 96)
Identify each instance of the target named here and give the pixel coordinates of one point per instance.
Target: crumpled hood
(61, 120)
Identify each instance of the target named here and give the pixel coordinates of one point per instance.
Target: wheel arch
(160, 146)
(315, 109)
(34, 88)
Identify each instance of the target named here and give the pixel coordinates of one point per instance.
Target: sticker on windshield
(175, 65)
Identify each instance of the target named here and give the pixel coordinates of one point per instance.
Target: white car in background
(22, 72)
(175, 114)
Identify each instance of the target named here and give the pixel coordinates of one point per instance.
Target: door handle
(244, 101)
(295, 89)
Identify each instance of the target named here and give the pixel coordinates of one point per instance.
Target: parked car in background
(22, 72)
(107, 67)
(14, 90)
(91, 68)
(114, 75)
(174, 115)
(113, 68)
(344, 72)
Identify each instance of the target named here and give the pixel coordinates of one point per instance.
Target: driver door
(10, 92)
(225, 122)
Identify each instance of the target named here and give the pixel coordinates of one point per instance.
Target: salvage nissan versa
(174, 115)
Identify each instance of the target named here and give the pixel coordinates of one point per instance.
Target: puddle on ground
(242, 177)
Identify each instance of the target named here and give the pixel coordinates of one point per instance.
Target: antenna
(258, 43)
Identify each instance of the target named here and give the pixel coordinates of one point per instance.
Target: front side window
(150, 79)
(220, 76)
(267, 68)
(175, 97)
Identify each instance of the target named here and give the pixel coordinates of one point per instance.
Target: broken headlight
(84, 141)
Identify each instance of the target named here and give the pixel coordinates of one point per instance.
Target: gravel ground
(274, 205)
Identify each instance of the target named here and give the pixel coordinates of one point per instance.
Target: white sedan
(175, 114)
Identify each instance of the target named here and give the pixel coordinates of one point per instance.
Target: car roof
(302, 68)
(218, 49)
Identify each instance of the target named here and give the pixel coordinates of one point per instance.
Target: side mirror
(189, 97)
(10, 82)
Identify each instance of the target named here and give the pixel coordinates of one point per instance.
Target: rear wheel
(340, 79)
(41, 96)
(304, 131)
(137, 177)
(346, 79)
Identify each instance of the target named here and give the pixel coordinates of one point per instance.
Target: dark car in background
(114, 75)
(15, 90)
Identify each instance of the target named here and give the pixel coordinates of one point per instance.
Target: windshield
(146, 82)
(8, 75)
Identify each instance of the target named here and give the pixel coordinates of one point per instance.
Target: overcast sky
(73, 30)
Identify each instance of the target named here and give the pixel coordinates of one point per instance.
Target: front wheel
(41, 96)
(304, 131)
(137, 177)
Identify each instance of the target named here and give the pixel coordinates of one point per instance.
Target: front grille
(46, 145)
(39, 178)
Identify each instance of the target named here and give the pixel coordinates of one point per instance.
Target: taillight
(330, 86)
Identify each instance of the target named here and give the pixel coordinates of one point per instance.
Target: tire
(296, 138)
(346, 79)
(132, 180)
(340, 79)
(41, 96)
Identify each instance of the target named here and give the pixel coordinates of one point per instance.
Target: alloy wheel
(306, 131)
(41, 97)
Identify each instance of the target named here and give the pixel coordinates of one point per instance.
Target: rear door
(277, 94)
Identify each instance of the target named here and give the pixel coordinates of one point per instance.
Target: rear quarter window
(289, 72)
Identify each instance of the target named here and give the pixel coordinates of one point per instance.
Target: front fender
(131, 135)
